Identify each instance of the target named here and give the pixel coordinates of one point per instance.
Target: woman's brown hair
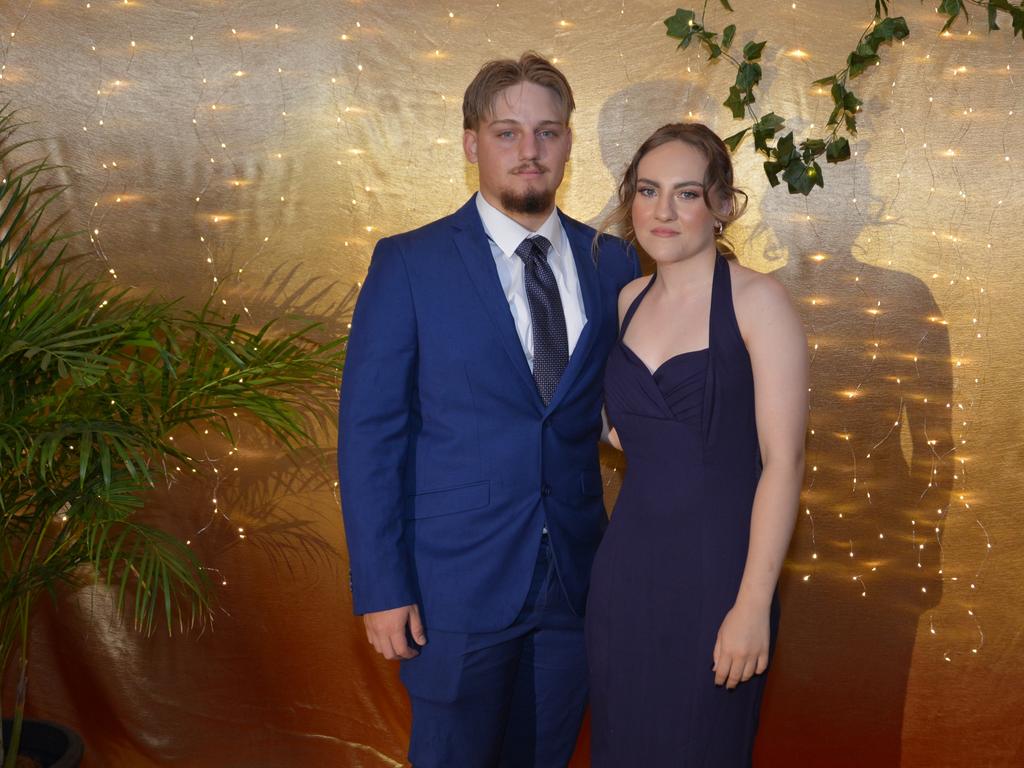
(718, 182)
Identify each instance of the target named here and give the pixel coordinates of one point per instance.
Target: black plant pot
(52, 744)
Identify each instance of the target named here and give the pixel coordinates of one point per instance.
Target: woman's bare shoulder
(630, 291)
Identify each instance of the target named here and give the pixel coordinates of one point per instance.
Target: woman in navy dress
(706, 392)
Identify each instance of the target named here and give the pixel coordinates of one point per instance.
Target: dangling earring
(719, 228)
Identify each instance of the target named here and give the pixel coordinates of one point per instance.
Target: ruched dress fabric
(670, 564)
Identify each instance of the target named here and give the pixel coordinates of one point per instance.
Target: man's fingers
(416, 627)
(400, 646)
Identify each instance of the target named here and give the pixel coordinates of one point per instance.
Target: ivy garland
(798, 163)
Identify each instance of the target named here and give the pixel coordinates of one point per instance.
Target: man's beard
(531, 201)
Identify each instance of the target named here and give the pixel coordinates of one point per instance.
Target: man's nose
(528, 147)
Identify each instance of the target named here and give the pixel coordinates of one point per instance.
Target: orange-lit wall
(263, 147)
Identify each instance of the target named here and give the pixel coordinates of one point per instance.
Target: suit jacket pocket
(446, 501)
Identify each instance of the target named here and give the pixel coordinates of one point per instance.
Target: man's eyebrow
(510, 121)
(674, 186)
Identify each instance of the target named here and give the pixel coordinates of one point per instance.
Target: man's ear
(469, 141)
(568, 133)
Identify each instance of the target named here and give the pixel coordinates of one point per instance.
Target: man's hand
(386, 631)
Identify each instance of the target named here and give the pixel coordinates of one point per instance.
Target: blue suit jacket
(449, 462)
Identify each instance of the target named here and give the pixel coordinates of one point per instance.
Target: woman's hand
(613, 439)
(741, 650)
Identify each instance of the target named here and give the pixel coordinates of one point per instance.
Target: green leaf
(765, 129)
(681, 24)
(838, 150)
(771, 170)
(851, 124)
(858, 62)
(748, 76)
(786, 149)
(735, 102)
(752, 50)
(894, 28)
(950, 7)
(992, 18)
(732, 142)
(825, 80)
(812, 148)
(725, 4)
(714, 51)
(800, 177)
(727, 35)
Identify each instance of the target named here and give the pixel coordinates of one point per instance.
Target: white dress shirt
(504, 236)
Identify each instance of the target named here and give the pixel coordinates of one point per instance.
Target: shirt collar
(507, 233)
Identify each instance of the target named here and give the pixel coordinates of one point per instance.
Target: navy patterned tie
(550, 341)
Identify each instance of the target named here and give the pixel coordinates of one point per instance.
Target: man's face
(521, 149)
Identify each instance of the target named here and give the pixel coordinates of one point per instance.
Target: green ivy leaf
(812, 148)
(786, 149)
(752, 50)
(891, 29)
(951, 7)
(725, 4)
(838, 150)
(851, 124)
(771, 170)
(765, 129)
(735, 102)
(857, 62)
(748, 76)
(816, 175)
(681, 24)
(733, 142)
(992, 18)
(714, 51)
(796, 177)
(727, 35)
(825, 80)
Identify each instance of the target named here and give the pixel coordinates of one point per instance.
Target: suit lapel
(590, 287)
(471, 243)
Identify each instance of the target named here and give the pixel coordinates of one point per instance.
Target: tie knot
(533, 247)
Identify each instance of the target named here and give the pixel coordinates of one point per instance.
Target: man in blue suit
(469, 422)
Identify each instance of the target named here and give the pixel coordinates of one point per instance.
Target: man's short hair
(496, 76)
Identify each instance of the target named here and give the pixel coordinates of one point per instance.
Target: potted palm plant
(95, 384)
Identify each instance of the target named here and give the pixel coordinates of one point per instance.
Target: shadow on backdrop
(864, 564)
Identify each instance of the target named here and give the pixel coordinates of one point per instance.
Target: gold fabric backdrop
(260, 148)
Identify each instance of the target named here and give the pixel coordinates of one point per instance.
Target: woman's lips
(664, 232)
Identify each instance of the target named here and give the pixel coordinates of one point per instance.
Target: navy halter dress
(669, 566)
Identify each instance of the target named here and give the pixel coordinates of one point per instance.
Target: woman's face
(670, 218)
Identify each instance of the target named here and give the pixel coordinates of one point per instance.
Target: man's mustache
(531, 167)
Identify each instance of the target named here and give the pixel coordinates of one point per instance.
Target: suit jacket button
(545, 490)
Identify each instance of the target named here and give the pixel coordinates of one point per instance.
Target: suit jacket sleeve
(375, 417)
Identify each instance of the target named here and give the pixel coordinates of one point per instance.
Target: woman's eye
(646, 192)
